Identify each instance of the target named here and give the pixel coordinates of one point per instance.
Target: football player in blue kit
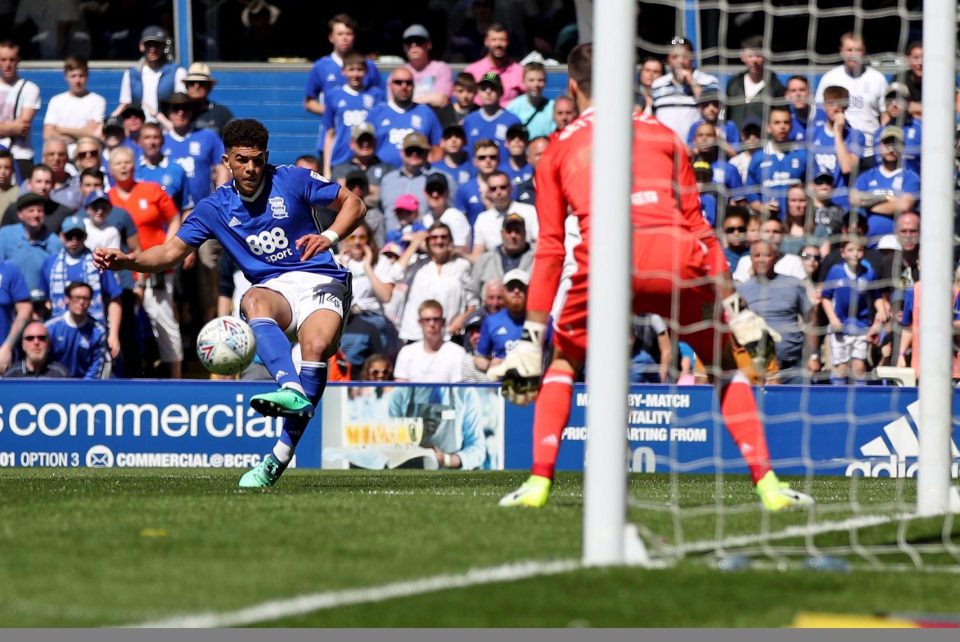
(264, 220)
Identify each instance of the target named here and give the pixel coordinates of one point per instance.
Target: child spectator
(346, 107)
(456, 159)
(836, 146)
(727, 134)
(491, 120)
(464, 101)
(534, 110)
(853, 308)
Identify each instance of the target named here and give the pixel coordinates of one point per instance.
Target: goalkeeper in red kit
(679, 272)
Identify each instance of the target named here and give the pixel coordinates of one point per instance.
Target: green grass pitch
(107, 547)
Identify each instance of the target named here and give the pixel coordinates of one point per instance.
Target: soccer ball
(226, 346)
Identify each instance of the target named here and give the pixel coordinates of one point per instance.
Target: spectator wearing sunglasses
(36, 362)
(432, 79)
(734, 228)
(199, 83)
(487, 227)
(400, 116)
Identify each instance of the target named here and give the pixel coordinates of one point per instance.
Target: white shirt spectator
(14, 98)
(151, 81)
(448, 284)
(456, 221)
(489, 223)
(787, 265)
(363, 297)
(866, 98)
(675, 105)
(414, 363)
(67, 110)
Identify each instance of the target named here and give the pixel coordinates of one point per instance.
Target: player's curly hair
(245, 132)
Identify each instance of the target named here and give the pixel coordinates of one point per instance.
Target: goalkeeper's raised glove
(522, 368)
(751, 332)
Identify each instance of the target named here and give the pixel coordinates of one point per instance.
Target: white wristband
(330, 234)
(447, 460)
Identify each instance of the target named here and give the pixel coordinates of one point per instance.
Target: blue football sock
(273, 348)
(313, 375)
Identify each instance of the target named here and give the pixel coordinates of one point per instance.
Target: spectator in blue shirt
(491, 121)
(501, 332)
(154, 167)
(15, 310)
(471, 196)
(897, 114)
(804, 115)
(888, 189)
(775, 168)
(345, 107)
(400, 116)
(516, 166)
(851, 300)
(835, 146)
(28, 243)
(726, 133)
(456, 159)
(76, 339)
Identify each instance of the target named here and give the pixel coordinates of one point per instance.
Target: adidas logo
(898, 443)
(550, 440)
(281, 373)
(234, 221)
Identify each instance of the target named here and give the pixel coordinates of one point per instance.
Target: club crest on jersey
(501, 132)
(194, 148)
(368, 101)
(416, 122)
(278, 207)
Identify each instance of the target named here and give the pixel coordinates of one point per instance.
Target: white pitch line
(299, 605)
(787, 533)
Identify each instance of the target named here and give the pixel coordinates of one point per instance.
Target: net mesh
(853, 448)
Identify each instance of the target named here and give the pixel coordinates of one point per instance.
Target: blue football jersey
(799, 128)
(197, 153)
(877, 181)
(81, 349)
(823, 158)
(259, 234)
(852, 297)
(499, 335)
(393, 124)
(345, 108)
(170, 176)
(725, 174)
(913, 137)
(13, 289)
(479, 126)
(772, 173)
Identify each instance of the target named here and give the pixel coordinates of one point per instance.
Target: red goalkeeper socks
(740, 414)
(550, 416)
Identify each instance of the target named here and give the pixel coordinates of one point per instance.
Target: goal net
(844, 421)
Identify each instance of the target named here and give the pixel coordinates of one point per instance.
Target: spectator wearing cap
(327, 72)
(515, 164)
(726, 134)
(409, 229)
(437, 194)
(501, 332)
(19, 105)
(675, 93)
(804, 115)
(154, 167)
(534, 110)
(432, 79)
(76, 112)
(827, 215)
(513, 252)
(410, 179)
(358, 183)
(865, 86)
(9, 190)
(491, 121)
(487, 228)
(36, 362)
(441, 276)
(363, 144)
(41, 184)
(897, 114)
(753, 88)
(400, 116)
(77, 340)
(888, 189)
(498, 61)
(133, 117)
(154, 78)
(96, 211)
(114, 136)
(345, 107)
(471, 338)
(199, 82)
(462, 101)
(15, 310)
(456, 160)
(836, 145)
(198, 151)
(27, 244)
(74, 264)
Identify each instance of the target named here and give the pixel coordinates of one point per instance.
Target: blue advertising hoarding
(821, 430)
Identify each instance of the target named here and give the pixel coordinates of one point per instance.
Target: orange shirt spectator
(151, 208)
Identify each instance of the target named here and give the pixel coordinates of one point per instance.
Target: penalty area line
(302, 604)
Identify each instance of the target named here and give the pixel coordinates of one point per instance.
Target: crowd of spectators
(814, 193)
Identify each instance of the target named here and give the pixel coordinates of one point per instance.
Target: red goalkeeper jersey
(664, 196)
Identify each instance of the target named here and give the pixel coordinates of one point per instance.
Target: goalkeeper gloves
(751, 332)
(522, 368)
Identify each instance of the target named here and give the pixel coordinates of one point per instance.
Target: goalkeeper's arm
(522, 368)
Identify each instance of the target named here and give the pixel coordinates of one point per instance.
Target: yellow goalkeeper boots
(777, 495)
(534, 493)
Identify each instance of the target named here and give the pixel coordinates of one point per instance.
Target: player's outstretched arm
(158, 258)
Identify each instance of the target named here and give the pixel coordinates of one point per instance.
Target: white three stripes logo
(902, 437)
